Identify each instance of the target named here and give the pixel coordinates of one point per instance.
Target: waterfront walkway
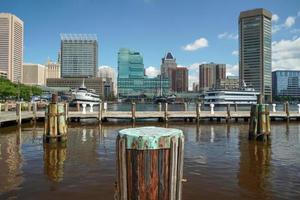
(11, 116)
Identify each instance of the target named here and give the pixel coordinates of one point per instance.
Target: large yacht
(85, 95)
(242, 96)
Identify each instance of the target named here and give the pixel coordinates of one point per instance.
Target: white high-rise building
(11, 46)
(108, 72)
(34, 74)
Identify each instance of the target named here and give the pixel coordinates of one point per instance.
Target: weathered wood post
(274, 107)
(66, 107)
(228, 113)
(19, 113)
(185, 106)
(287, 111)
(6, 106)
(149, 163)
(54, 157)
(133, 109)
(259, 126)
(34, 110)
(55, 122)
(212, 108)
(166, 112)
(159, 107)
(198, 110)
(78, 107)
(100, 111)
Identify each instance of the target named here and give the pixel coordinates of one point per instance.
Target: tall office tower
(168, 62)
(132, 81)
(286, 83)
(255, 38)
(210, 75)
(179, 79)
(52, 70)
(11, 46)
(130, 64)
(79, 55)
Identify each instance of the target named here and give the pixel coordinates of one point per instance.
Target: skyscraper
(255, 37)
(132, 81)
(210, 75)
(11, 46)
(52, 70)
(34, 74)
(286, 83)
(179, 79)
(168, 62)
(79, 55)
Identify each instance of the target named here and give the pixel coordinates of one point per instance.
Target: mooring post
(212, 109)
(29, 104)
(55, 122)
(228, 113)
(259, 126)
(66, 107)
(133, 108)
(100, 111)
(185, 106)
(287, 111)
(198, 110)
(166, 112)
(19, 112)
(159, 107)
(34, 110)
(149, 163)
(6, 106)
(78, 106)
(274, 107)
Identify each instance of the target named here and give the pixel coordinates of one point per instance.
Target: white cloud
(228, 36)
(275, 18)
(152, 71)
(235, 53)
(290, 21)
(232, 70)
(197, 44)
(286, 54)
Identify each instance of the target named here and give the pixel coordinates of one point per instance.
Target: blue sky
(154, 27)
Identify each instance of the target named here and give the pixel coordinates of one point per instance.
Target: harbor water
(220, 162)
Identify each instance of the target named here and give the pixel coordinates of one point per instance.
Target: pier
(102, 115)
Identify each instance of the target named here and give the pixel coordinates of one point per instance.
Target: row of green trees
(9, 90)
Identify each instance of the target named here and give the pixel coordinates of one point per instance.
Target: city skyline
(187, 35)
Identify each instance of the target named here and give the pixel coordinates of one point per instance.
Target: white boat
(85, 95)
(243, 96)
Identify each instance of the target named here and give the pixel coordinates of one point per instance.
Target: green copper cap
(149, 137)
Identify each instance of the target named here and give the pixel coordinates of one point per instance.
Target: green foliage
(9, 90)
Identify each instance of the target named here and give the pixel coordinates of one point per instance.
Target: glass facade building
(79, 55)
(286, 83)
(131, 76)
(255, 62)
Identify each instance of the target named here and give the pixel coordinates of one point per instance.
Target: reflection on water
(220, 162)
(54, 157)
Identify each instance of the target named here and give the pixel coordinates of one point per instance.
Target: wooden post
(235, 107)
(259, 126)
(166, 112)
(185, 106)
(198, 110)
(133, 108)
(78, 107)
(159, 107)
(228, 113)
(149, 163)
(66, 107)
(34, 110)
(6, 106)
(29, 106)
(55, 122)
(287, 111)
(100, 111)
(19, 113)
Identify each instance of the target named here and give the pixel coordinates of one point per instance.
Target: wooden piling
(133, 109)
(287, 111)
(149, 164)
(228, 113)
(34, 110)
(198, 111)
(166, 113)
(100, 112)
(159, 107)
(235, 107)
(19, 113)
(78, 107)
(55, 122)
(6, 106)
